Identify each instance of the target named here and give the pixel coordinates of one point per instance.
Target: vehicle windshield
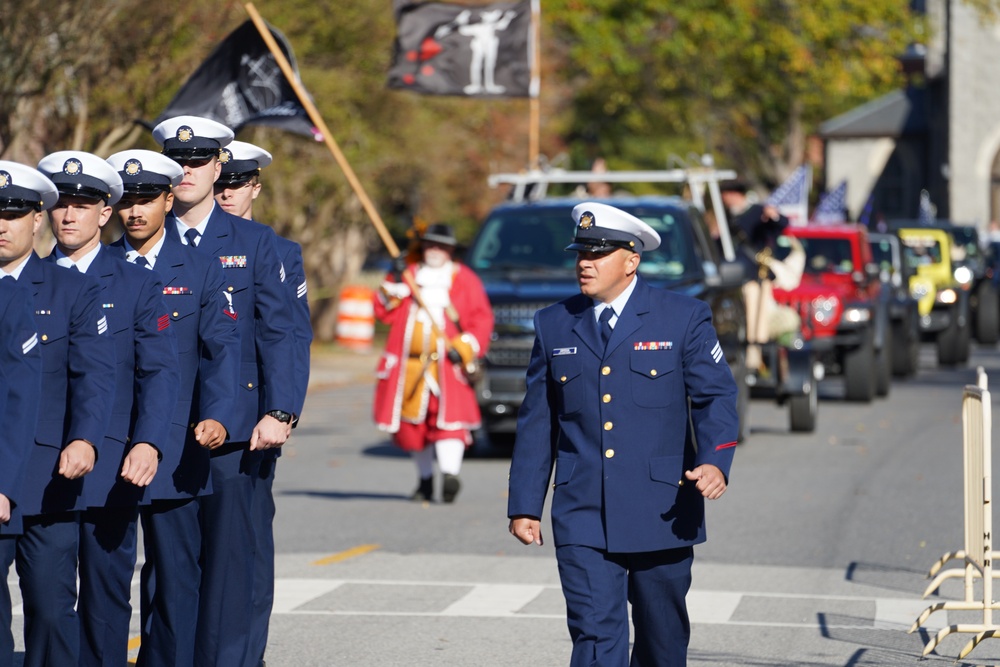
(823, 255)
(966, 245)
(882, 254)
(535, 241)
(921, 251)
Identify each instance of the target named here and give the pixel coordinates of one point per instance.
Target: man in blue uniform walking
(263, 410)
(612, 374)
(145, 393)
(78, 384)
(236, 189)
(20, 376)
(208, 348)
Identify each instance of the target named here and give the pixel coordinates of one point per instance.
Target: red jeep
(838, 301)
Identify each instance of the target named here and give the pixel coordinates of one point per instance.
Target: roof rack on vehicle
(532, 185)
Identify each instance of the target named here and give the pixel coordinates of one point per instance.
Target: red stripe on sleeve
(163, 322)
(726, 446)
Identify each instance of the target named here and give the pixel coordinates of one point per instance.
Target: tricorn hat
(439, 233)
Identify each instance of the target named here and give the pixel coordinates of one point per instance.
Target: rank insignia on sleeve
(102, 325)
(176, 290)
(162, 322)
(229, 310)
(301, 290)
(717, 352)
(281, 273)
(28, 345)
(233, 261)
(652, 345)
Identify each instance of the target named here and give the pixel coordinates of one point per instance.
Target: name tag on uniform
(563, 351)
(107, 305)
(233, 261)
(643, 346)
(176, 290)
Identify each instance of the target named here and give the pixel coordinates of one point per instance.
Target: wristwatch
(281, 416)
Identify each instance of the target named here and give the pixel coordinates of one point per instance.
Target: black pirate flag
(446, 49)
(240, 83)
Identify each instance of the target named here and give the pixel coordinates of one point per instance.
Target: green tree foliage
(744, 79)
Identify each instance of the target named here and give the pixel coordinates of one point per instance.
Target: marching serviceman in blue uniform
(208, 348)
(263, 413)
(78, 383)
(145, 393)
(611, 377)
(20, 377)
(236, 189)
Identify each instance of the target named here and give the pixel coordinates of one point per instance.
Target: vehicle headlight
(947, 296)
(963, 275)
(823, 309)
(857, 315)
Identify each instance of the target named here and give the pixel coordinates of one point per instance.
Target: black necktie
(192, 237)
(605, 324)
(142, 261)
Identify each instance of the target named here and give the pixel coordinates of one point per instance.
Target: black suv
(519, 255)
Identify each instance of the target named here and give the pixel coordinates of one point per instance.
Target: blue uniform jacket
(290, 254)
(78, 380)
(20, 388)
(208, 352)
(615, 422)
(146, 375)
(260, 306)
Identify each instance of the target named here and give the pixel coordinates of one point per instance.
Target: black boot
(451, 487)
(424, 490)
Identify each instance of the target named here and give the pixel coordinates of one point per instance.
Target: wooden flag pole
(317, 120)
(534, 89)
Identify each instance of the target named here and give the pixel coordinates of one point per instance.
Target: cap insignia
(5, 180)
(225, 155)
(72, 167)
(185, 134)
(133, 167)
(586, 220)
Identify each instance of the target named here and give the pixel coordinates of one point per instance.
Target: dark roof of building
(899, 113)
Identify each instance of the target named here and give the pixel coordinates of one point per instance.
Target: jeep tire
(883, 367)
(803, 410)
(987, 314)
(949, 342)
(859, 370)
(905, 348)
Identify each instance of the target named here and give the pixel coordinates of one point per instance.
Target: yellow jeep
(943, 303)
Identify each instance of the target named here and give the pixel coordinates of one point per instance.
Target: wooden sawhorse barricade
(978, 554)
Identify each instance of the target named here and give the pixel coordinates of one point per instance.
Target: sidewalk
(333, 365)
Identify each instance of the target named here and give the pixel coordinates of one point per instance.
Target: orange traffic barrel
(356, 318)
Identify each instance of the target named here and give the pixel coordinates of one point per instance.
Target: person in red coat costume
(424, 395)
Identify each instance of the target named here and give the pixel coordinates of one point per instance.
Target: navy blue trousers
(46, 560)
(263, 571)
(169, 582)
(598, 587)
(225, 608)
(107, 561)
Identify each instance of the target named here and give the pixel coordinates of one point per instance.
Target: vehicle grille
(509, 355)
(517, 313)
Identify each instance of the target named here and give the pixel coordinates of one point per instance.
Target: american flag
(832, 205)
(792, 197)
(794, 190)
(866, 213)
(927, 210)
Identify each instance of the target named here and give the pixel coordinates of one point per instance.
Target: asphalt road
(817, 554)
